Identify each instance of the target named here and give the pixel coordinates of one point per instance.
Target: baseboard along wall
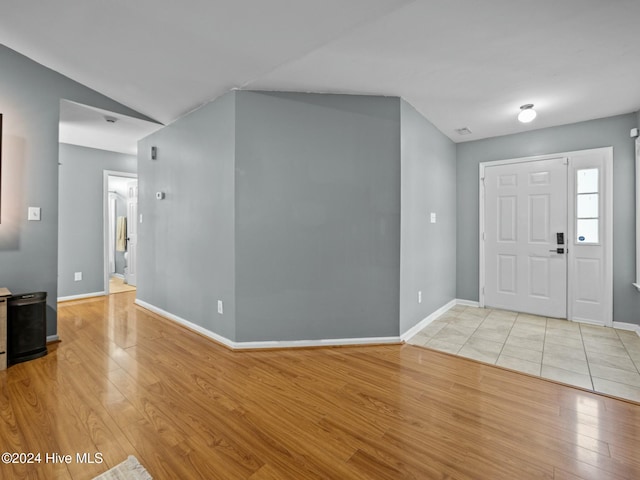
(81, 296)
(333, 342)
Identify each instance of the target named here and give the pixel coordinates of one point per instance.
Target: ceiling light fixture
(527, 113)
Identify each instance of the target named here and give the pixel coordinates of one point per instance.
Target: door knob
(557, 250)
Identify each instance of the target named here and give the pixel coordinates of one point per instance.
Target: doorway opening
(546, 241)
(92, 140)
(120, 229)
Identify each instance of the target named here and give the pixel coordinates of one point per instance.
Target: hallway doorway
(118, 228)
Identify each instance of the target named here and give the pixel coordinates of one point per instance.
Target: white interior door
(525, 213)
(132, 232)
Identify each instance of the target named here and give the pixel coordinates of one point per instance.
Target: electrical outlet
(34, 214)
(220, 311)
(77, 276)
(419, 296)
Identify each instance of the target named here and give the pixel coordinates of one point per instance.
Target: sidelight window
(587, 206)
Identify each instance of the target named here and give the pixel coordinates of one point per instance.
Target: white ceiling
(461, 63)
(88, 127)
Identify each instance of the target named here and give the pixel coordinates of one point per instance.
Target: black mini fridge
(26, 327)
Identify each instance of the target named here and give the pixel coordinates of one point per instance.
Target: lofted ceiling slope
(461, 63)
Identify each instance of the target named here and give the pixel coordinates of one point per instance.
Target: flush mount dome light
(527, 113)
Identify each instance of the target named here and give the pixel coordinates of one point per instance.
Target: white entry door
(132, 232)
(525, 218)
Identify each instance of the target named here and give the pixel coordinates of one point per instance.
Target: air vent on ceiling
(463, 131)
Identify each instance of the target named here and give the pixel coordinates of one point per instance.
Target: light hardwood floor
(125, 382)
(117, 285)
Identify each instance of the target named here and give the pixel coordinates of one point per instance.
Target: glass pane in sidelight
(587, 180)
(588, 205)
(587, 231)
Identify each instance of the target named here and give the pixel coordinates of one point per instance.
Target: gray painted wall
(317, 216)
(612, 131)
(80, 225)
(30, 101)
(428, 253)
(186, 241)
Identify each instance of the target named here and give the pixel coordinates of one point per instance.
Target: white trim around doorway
(105, 220)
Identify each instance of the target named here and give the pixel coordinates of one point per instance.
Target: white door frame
(131, 270)
(105, 219)
(637, 283)
(608, 214)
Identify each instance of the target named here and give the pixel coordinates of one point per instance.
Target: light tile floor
(605, 360)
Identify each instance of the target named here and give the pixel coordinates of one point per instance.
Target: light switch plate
(433, 217)
(34, 214)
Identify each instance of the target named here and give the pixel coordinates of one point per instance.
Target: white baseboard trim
(53, 338)
(186, 323)
(467, 303)
(333, 342)
(81, 296)
(117, 275)
(427, 320)
(632, 327)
